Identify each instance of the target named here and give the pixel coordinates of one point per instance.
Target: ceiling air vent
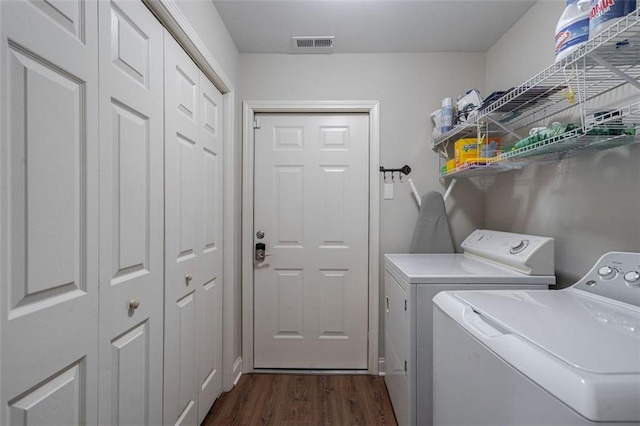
(313, 44)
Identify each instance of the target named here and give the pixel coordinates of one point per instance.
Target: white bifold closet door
(193, 231)
(131, 214)
(48, 212)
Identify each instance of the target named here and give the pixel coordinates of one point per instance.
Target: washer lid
(456, 269)
(586, 332)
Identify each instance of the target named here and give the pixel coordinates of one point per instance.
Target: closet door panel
(131, 203)
(183, 244)
(193, 229)
(48, 212)
(210, 303)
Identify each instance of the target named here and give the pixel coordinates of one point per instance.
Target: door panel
(129, 375)
(311, 201)
(131, 195)
(188, 362)
(188, 205)
(53, 266)
(210, 250)
(56, 400)
(181, 222)
(130, 151)
(193, 152)
(48, 212)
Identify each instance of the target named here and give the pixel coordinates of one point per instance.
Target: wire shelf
(610, 130)
(570, 86)
(473, 169)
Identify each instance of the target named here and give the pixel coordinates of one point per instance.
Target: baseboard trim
(306, 372)
(237, 370)
(381, 369)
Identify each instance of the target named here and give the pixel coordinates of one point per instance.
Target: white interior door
(49, 212)
(209, 297)
(193, 231)
(311, 202)
(131, 207)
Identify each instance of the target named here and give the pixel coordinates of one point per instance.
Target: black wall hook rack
(404, 169)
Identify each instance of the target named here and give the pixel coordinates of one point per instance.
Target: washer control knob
(606, 272)
(632, 278)
(518, 246)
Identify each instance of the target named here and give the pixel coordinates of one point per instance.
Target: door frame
(249, 109)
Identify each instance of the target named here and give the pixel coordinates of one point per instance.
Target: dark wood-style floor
(288, 399)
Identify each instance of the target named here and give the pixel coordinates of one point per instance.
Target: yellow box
(451, 164)
(465, 149)
(469, 150)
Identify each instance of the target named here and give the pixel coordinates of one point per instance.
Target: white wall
(409, 87)
(590, 204)
(205, 19)
(526, 49)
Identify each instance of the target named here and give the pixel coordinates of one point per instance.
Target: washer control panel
(529, 254)
(615, 275)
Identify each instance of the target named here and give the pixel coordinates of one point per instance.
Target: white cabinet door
(131, 209)
(193, 222)
(396, 349)
(48, 212)
(311, 201)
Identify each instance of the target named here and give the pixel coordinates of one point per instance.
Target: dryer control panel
(529, 254)
(616, 275)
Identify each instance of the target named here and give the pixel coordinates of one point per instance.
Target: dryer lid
(586, 332)
(457, 269)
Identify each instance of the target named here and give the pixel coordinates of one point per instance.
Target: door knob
(134, 303)
(188, 278)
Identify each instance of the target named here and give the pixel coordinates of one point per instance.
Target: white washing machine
(555, 357)
(490, 260)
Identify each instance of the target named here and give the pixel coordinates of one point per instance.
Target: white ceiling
(371, 26)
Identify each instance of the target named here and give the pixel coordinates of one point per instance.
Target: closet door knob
(134, 303)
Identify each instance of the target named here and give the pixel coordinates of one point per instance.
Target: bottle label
(604, 10)
(571, 35)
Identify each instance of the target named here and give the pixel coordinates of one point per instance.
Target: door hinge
(256, 123)
(405, 305)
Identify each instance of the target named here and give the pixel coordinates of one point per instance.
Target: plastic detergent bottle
(604, 13)
(572, 30)
(447, 116)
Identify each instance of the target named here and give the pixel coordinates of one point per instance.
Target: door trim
(249, 109)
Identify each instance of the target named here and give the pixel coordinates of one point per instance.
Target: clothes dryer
(491, 260)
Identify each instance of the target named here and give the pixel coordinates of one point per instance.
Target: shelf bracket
(415, 192)
(626, 77)
(503, 127)
(449, 189)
